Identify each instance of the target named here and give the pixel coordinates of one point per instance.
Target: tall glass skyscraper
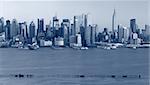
(14, 28)
(7, 30)
(32, 30)
(114, 21)
(133, 25)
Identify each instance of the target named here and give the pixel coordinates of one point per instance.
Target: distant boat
(57, 47)
(134, 47)
(107, 48)
(33, 46)
(83, 48)
(113, 47)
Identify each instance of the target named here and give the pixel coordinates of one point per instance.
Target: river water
(74, 67)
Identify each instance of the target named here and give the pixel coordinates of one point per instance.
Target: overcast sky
(100, 12)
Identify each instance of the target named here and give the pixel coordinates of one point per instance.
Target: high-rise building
(83, 38)
(93, 34)
(72, 29)
(105, 35)
(78, 40)
(24, 30)
(147, 28)
(55, 27)
(14, 28)
(32, 30)
(90, 35)
(48, 32)
(56, 24)
(114, 21)
(66, 28)
(7, 29)
(1, 24)
(120, 33)
(133, 25)
(40, 31)
(126, 34)
(114, 36)
(40, 26)
(77, 24)
(147, 33)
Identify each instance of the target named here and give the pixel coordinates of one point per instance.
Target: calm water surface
(64, 64)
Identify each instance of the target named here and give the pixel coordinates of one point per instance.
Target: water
(60, 67)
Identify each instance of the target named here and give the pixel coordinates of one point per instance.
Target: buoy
(113, 76)
(16, 75)
(82, 76)
(124, 76)
(20, 75)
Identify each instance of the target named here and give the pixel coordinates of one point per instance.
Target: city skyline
(103, 17)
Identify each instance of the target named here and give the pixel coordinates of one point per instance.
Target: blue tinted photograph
(78, 42)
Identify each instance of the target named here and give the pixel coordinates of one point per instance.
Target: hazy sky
(100, 12)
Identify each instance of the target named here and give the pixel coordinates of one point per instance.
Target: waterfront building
(93, 35)
(88, 35)
(48, 32)
(2, 36)
(77, 23)
(72, 32)
(24, 29)
(135, 37)
(55, 28)
(114, 26)
(56, 24)
(125, 34)
(14, 28)
(133, 29)
(7, 29)
(59, 41)
(120, 34)
(143, 35)
(133, 25)
(114, 21)
(40, 26)
(147, 29)
(83, 38)
(105, 35)
(32, 30)
(66, 31)
(99, 37)
(1, 24)
(47, 43)
(72, 39)
(78, 40)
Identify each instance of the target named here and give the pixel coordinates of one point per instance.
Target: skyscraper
(48, 31)
(7, 30)
(14, 28)
(120, 33)
(126, 34)
(40, 26)
(55, 27)
(78, 22)
(114, 26)
(133, 25)
(147, 28)
(1, 24)
(88, 35)
(66, 27)
(32, 30)
(24, 29)
(114, 21)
